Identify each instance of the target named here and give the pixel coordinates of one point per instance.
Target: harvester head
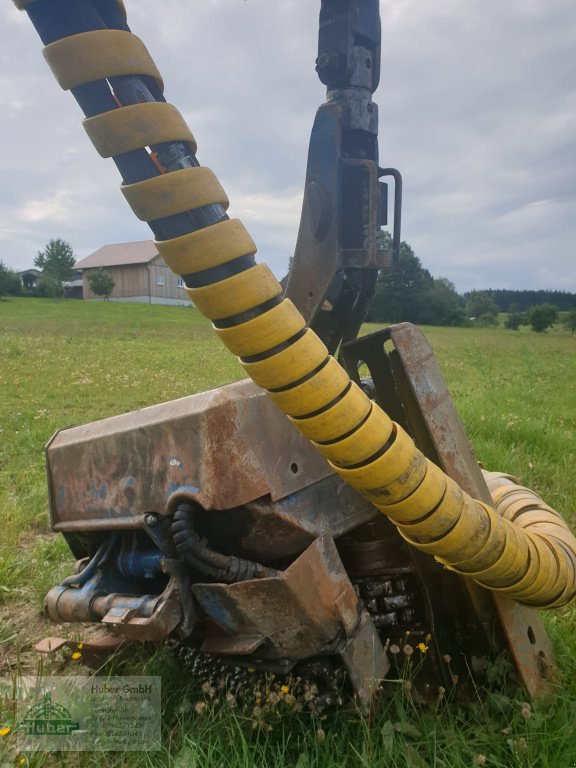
(210, 519)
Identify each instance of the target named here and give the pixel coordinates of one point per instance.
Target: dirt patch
(23, 626)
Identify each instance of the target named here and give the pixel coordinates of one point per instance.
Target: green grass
(63, 363)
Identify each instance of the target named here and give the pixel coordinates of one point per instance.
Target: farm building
(139, 273)
(30, 277)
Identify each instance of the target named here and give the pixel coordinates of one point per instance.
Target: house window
(179, 282)
(160, 278)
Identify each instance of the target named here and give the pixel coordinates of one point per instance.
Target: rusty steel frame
(234, 452)
(230, 446)
(311, 609)
(410, 385)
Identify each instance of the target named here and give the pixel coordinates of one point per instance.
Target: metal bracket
(408, 381)
(321, 615)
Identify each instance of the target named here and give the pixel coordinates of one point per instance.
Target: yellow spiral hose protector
(523, 548)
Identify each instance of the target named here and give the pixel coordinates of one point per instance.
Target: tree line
(508, 300)
(56, 262)
(407, 292)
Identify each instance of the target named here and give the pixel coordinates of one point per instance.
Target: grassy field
(64, 363)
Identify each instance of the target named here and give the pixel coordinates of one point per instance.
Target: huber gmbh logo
(48, 719)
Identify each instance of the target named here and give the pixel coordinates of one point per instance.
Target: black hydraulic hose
(193, 549)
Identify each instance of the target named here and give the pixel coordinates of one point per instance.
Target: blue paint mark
(213, 607)
(97, 493)
(61, 494)
(129, 481)
(171, 488)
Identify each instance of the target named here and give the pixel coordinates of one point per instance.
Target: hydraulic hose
(196, 552)
(120, 90)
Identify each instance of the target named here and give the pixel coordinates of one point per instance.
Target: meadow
(66, 362)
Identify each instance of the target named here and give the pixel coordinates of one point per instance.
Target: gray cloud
(477, 109)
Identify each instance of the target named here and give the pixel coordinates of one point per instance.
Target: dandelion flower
(394, 648)
(284, 688)
(408, 649)
(80, 646)
(76, 655)
(5, 731)
(422, 647)
(320, 735)
(480, 760)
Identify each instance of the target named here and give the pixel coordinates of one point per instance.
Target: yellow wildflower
(22, 761)
(251, 669)
(284, 688)
(422, 647)
(76, 655)
(80, 646)
(5, 731)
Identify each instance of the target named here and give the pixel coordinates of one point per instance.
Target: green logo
(48, 719)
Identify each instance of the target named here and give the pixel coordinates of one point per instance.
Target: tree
(481, 308)
(50, 287)
(57, 263)
(401, 288)
(445, 306)
(570, 320)
(514, 321)
(542, 316)
(9, 281)
(101, 282)
(406, 291)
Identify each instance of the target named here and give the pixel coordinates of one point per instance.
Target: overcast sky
(477, 104)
